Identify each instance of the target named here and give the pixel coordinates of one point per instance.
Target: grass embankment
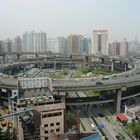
(104, 71)
(56, 74)
(96, 71)
(93, 93)
(83, 127)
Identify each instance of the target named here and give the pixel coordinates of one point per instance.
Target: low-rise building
(41, 113)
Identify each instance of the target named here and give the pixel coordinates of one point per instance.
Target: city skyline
(61, 18)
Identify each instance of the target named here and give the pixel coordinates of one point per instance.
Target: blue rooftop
(48, 93)
(92, 137)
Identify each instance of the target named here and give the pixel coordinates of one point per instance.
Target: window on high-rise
(57, 130)
(58, 123)
(52, 124)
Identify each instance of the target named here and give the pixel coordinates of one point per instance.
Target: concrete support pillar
(36, 56)
(6, 71)
(125, 66)
(9, 99)
(0, 60)
(24, 70)
(9, 72)
(120, 63)
(70, 58)
(70, 65)
(86, 57)
(58, 93)
(18, 57)
(54, 65)
(89, 109)
(118, 101)
(102, 60)
(86, 108)
(112, 65)
(3, 57)
(38, 65)
(45, 65)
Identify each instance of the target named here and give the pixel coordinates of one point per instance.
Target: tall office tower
(7, 45)
(116, 48)
(53, 45)
(1, 50)
(100, 42)
(62, 41)
(85, 45)
(27, 42)
(124, 48)
(134, 46)
(110, 49)
(17, 44)
(73, 43)
(34, 42)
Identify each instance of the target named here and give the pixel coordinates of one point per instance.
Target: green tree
(85, 70)
(65, 71)
(70, 120)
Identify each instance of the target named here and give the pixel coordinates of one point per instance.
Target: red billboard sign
(100, 31)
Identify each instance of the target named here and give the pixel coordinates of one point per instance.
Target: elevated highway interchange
(121, 82)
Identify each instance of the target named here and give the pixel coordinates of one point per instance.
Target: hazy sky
(63, 17)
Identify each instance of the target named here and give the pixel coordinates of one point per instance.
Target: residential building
(85, 45)
(116, 48)
(53, 45)
(34, 42)
(17, 44)
(1, 49)
(73, 43)
(124, 48)
(110, 49)
(45, 115)
(62, 44)
(120, 48)
(134, 46)
(7, 45)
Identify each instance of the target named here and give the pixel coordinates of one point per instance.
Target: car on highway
(101, 115)
(127, 75)
(105, 78)
(79, 100)
(99, 83)
(114, 75)
(102, 98)
(76, 80)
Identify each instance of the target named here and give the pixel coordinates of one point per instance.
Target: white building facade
(100, 42)
(17, 44)
(53, 45)
(124, 48)
(34, 42)
(62, 44)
